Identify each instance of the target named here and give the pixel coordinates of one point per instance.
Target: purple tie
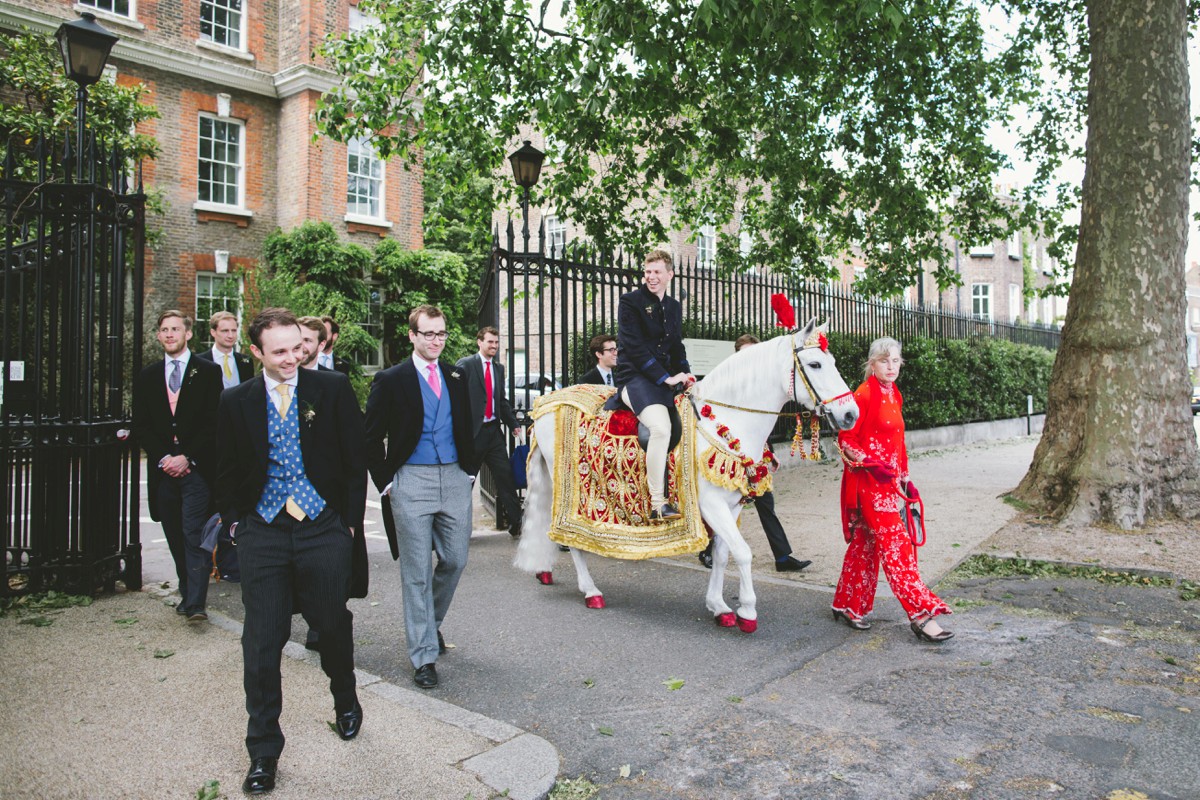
(434, 383)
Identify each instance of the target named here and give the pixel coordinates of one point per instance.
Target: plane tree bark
(1119, 445)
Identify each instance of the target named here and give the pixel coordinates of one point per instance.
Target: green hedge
(948, 382)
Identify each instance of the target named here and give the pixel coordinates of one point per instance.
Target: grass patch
(1019, 505)
(43, 601)
(573, 789)
(985, 566)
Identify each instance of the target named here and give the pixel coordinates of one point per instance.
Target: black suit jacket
(342, 366)
(396, 412)
(501, 408)
(331, 444)
(650, 335)
(245, 367)
(194, 423)
(593, 376)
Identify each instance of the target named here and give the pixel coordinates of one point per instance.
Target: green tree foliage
(821, 126)
(413, 277)
(37, 98)
(458, 208)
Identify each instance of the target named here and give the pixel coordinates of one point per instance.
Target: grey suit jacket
(477, 392)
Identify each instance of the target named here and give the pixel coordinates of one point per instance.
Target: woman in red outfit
(874, 484)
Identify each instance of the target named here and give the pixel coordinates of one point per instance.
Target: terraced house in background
(236, 82)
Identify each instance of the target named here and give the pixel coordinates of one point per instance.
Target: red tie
(434, 383)
(487, 383)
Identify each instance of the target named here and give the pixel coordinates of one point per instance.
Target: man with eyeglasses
(489, 410)
(604, 348)
(421, 455)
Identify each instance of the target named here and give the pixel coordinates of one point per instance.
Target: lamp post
(85, 47)
(526, 167)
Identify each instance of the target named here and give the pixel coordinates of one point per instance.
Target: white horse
(745, 392)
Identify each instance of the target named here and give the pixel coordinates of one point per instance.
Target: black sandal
(857, 624)
(918, 629)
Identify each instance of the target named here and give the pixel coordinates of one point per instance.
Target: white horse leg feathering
(747, 391)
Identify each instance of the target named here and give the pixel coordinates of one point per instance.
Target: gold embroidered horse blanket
(601, 502)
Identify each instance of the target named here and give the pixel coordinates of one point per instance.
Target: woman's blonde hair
(880, 349)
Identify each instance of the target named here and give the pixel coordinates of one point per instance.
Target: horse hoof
(726, 620)
(545, 578)
(595, 601)
(747, 625)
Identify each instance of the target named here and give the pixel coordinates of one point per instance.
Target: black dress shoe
(790, 564)
(179, 609)
(666, 512)
(426, 676)
(515, 530)
(349, 722)
(441, 645)
(705, 556)
(261, 777)
(197, 615)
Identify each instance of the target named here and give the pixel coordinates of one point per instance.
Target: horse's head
(815, 370)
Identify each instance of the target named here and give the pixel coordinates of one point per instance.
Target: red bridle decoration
(785, 314)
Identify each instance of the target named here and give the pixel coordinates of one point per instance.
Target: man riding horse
(651, 363)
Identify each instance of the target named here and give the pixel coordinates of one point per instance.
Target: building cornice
(303, 78)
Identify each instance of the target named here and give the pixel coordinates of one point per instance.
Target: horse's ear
(823, 327)
(807, 330)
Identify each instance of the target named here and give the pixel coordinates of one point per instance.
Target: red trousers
(878, 536)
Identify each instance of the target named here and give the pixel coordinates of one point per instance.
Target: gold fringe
(726, 470)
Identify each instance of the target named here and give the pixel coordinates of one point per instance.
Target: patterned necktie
(487, 385)
(176, 379)
(285, 394)
(608, 379)
(434, 382)
(228, 371)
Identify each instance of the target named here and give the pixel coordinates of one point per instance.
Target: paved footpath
(1053, 687)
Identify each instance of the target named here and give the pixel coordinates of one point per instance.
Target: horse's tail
(536, 553)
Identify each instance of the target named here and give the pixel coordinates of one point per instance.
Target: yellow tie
(228, 371)
(285, 394)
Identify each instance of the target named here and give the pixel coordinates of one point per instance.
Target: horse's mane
(737, 378)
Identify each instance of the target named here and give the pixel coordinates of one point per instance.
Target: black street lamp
(526, 167)
(85, 47)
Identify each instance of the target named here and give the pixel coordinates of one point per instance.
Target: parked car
(1196, 399)
(531, 387)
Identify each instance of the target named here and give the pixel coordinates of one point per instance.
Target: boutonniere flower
(307, 413)
(191, 373)
(649, 309)
(455, 374)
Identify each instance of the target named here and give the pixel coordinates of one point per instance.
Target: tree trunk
(1119, 445)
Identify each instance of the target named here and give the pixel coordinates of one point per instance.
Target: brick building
(235, 83)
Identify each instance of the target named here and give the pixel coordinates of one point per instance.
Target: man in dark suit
(604, 347)
(292, 483)
(175, 420)
(327, 358)
(235, 367)
(652, 362)
(489, 409)
(427, 468)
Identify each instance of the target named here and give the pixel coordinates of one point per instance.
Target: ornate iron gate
(70, 337)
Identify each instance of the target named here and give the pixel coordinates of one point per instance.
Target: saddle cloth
(601, 502)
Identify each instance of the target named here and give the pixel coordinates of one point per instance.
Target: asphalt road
(1061, 688)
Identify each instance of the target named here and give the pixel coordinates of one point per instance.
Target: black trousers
(282, 562)
(771, 526)
(490, 447)
(183, 505)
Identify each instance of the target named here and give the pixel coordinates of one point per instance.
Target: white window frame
(1031, 309)
(556, 234)
(983, 250)
(1014, 302)
(375, 300)
(1014, 246)
(97, 7)
(981, 301)
(361, 149)
(201, 325)
(241, 30)
(706, 247)
(239, 166)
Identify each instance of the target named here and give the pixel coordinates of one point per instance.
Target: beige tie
(285, 394)
(228, 371)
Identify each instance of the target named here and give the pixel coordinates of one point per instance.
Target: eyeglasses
(431, 335)
(610, 350)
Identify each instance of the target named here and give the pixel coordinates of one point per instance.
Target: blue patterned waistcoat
(285, 466)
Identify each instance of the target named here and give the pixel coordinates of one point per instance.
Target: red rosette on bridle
(785, 314)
